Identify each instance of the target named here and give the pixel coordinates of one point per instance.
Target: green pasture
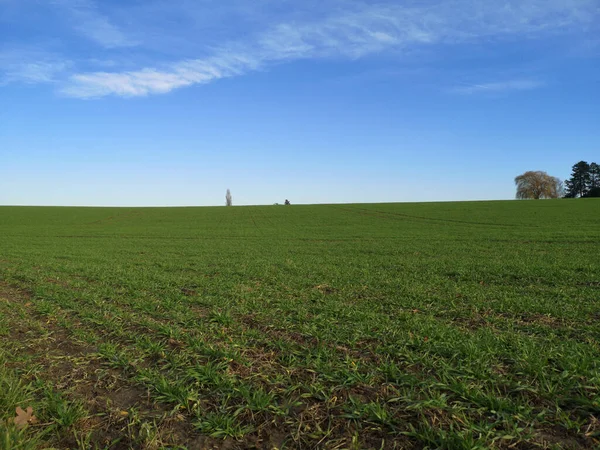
(438, 325)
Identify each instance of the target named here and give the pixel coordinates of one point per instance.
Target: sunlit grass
(452, 325)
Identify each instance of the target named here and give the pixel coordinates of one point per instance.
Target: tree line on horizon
(584, 182)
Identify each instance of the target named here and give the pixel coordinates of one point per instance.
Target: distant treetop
(537, 184)
(584, 181)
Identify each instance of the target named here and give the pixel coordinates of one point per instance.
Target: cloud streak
(89, 22)
(152, 81)
(30, 67)
(363, 31)
(497, 87)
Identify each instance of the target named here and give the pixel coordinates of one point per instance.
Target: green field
(439, 325)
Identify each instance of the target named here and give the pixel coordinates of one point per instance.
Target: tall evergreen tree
(594, 175)
(579, 183)
(594, 180)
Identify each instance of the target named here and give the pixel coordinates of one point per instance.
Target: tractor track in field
(390, 215)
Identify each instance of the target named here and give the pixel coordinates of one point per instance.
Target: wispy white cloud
(359, 31)
(31, 67)
(90, 22)
(499, 86)
(152, 81)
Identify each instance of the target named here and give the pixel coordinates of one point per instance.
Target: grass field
(448, 325)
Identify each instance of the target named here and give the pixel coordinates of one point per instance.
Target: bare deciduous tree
(228, 198)
(538, 184)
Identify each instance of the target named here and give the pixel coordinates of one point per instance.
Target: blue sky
(156, 102)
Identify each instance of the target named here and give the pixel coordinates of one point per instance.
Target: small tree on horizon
(537, 184)
(228, 198)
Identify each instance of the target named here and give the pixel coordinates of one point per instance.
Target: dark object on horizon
(584, 181)
(594, 176)
(537, 184)
(579, 183)
(228, 198)
(287, 202)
